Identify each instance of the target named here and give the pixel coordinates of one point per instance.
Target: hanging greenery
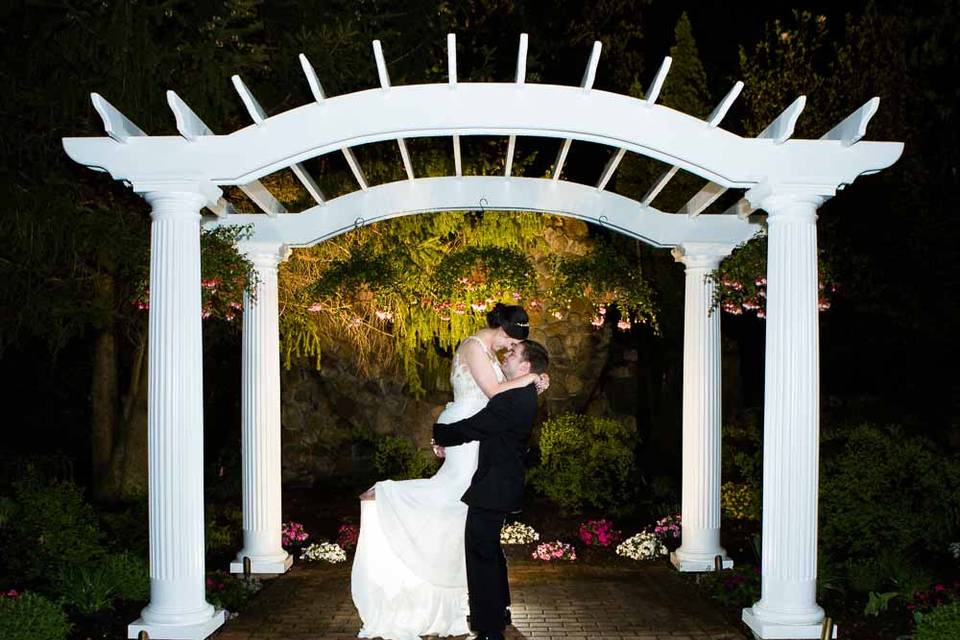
(403, 293)
(741, 280)
(225, 274)
(606, 276)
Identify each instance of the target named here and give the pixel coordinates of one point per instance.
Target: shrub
(740, 501)
(886, 492)
(737, 587)
(229, 592)
(130, 575)
(32, 617)
(585, 461)
(224, 528)
(94, 588)
(52, 528)
(85, 589)
(943, 623)
(128, 529)
(398, 459)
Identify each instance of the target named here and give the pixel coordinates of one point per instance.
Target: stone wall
(332, 416)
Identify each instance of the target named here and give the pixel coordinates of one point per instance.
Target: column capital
(178, 190)
(779, 199)
(267, 255)
(701, 255)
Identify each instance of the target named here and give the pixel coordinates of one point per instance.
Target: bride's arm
(481, 369)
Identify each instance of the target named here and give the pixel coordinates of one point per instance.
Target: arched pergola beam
(423, 195)
(499, 109)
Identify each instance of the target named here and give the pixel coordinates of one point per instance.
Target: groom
(503, 428)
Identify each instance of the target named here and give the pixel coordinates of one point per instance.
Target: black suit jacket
(503, 428)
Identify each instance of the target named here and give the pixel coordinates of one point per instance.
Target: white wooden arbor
(787, 178)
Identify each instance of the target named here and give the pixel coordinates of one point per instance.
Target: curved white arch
(482, 109)
(424, 195)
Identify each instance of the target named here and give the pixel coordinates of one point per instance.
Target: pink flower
(315, 307)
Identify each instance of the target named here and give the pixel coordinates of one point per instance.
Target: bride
(409, 572)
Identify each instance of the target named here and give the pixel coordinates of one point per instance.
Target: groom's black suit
(503, 428)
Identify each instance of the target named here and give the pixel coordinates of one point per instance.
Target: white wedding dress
(409, 572)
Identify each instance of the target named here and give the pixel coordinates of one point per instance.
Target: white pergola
(788, 179)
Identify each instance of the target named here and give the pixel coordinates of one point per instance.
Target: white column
(700, 504)
(261, 418)
(178, 608)
(788, 601)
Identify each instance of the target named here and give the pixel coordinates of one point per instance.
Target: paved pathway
(573, 602)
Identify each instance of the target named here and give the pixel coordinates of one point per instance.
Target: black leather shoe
(490, 635)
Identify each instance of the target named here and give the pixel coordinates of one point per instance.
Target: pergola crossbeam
(519, 78)
(714, 119)
(780, 130)
(852, 128)
(702, 199)
(589, 75)
(255, 190)
(262, 197)
(320, 96)
(611, 167)
(452, 79)
(653, 91)
(385, 85)
(115, 124)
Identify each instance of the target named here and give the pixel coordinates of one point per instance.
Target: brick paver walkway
(573, 602)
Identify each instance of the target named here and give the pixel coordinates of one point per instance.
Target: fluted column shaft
(261, 418)
(178, 606)
(700, 505)
(788, 606)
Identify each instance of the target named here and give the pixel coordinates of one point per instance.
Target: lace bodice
(465, 388)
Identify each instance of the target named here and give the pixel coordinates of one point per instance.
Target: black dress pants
(486, 570)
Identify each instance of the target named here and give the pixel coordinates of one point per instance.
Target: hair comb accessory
(522, 324)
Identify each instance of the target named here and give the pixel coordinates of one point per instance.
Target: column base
(698, 562)
(767, 630)
(264, 565)
(193, 631)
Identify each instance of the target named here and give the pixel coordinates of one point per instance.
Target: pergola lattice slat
(589, 75)
(520, 77)
(385, 85)
(714, 119)
(780, 130)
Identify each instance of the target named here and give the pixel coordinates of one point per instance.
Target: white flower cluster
(326, 551)
(954, 548)
(643, 546)
(518, 533)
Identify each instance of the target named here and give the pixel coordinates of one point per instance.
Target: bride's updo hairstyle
(512, 318)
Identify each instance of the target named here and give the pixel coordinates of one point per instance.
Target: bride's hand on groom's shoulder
(438, 450)
(542, 383)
